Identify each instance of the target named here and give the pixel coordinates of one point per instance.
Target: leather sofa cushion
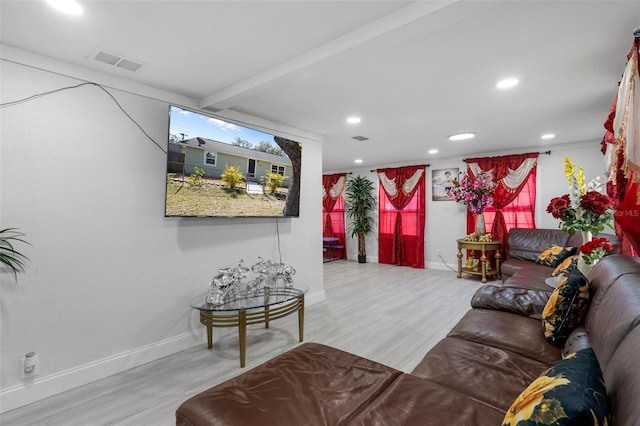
(528, 243)
(511, 266)
(577, 340)
(608, 270)
(311, 384)
(613, 313)
(622, 377)
(484, 373)
(525, 268)
(412, 400)
(532, 282)
(518, 300)
(512, 332)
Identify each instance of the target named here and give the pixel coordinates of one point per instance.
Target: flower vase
(480, 226)
(582, 265)
(586, 236)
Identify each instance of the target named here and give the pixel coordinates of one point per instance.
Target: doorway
(251, 169)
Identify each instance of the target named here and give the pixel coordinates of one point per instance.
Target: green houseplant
(360, 203)
(9, 256)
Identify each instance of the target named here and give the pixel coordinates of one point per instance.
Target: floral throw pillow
(566, 307)
(572, 392)
(566, 265)
(554, 255)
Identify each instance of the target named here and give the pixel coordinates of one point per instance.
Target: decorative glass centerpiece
(269, 275)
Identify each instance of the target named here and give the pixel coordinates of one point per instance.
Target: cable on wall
(88, 83)
(278, 235)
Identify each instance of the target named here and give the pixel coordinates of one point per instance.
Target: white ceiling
(415, 72)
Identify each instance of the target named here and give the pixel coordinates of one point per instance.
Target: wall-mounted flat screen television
(216, 168)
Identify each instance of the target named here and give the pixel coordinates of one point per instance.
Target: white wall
(110, 279)
(446, 220)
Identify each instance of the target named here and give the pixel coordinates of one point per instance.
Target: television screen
(217, 168)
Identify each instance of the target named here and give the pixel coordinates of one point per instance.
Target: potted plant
(9, 256)
(359, 204)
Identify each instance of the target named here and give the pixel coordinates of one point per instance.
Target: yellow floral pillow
(566, 307)
(566, 265)
(572, 392)
(554, 255)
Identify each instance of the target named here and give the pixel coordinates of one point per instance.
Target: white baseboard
(440, 266)
(41, 388)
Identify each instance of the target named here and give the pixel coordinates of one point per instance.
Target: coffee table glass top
(266, 297)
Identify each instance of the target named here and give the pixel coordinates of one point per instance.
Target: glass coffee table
(269, 305)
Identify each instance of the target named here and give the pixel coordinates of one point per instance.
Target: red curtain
(401, 199)
(333, 216)
(626, 217)
(617, 143)
(511, 173)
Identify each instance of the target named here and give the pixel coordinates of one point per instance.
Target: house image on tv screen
(229, 170)
(213, 157)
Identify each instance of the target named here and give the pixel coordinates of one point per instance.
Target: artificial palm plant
(9, 256)
(359, 205)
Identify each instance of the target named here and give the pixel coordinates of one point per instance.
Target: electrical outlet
(30, 365)
(438, 252)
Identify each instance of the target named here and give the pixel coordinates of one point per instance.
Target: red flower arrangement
(594, 250)
(583, 208)
(558, 206)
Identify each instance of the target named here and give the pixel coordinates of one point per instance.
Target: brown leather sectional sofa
(471, 377)
(524, 247)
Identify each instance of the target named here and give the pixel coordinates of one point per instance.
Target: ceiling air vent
(115, 60)
(360, 138)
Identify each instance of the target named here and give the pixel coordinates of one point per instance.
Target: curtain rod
(636, 33)
(374, 170)
(546, 152)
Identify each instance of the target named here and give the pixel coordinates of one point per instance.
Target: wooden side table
(484, 267)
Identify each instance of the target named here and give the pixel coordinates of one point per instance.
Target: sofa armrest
(529, 302)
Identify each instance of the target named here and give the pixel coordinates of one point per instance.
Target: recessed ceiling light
(547, 136)
(507, 83)
(358, 160)
(462, 136)
(71, 7)
(353, 120)
(433, 151)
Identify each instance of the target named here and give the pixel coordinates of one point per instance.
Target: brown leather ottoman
(309, 385)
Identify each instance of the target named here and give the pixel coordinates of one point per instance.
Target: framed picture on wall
(441, 180)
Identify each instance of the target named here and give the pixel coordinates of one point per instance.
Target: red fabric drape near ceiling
(510, 173)
(626, 221)
(401, 216)
(621, 185)
(333, 215)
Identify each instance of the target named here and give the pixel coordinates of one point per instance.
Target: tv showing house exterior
(216, 168)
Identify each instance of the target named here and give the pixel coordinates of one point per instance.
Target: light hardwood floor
(389, 314)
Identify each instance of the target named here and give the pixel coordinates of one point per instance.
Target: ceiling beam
(224, 99)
